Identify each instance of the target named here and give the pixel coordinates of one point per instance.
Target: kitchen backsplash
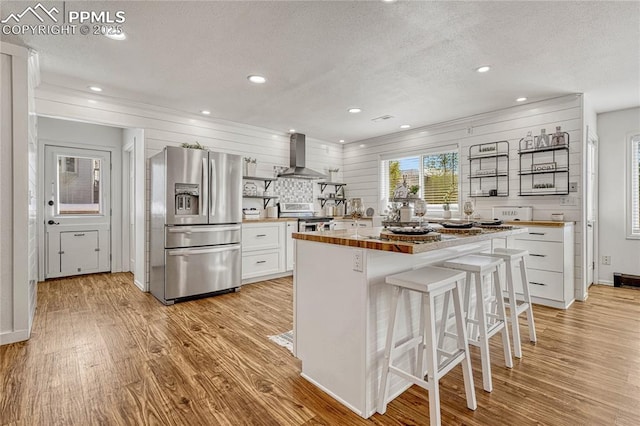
(294, 190)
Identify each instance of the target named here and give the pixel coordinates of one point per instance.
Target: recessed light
(205, 112)
(120, 36)
(95, 88)
(292, 130)
(355, 110)
(389, 1)
(483, 68)
(405, 126)
(522, 99)
(341, 140)
(257, 79)
(362, 145)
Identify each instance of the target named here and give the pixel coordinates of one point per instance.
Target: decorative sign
(485, 172)
(543, 167)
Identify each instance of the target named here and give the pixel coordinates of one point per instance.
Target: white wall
(164, 127)
(361, 164)
(17, 296)
(53, 131)
(614, 129)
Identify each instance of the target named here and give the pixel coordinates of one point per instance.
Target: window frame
(431, 208)
(633, 185)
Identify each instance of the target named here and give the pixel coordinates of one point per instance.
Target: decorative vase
(446, 214)
(251, 169)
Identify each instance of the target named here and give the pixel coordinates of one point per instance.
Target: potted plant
(446, 200)
(413, 191)
(250, 165)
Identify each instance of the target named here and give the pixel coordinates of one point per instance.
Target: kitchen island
(341, 305)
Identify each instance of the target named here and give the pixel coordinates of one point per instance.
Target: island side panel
(330, 320)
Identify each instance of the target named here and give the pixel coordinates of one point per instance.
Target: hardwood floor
(102, 352)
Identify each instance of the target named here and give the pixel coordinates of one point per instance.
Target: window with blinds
(634, 188)
(435, 173)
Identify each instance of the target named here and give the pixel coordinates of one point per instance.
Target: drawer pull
(261, 261)
(537, 233)
(261, 235)
(537, 255)
(535, 283)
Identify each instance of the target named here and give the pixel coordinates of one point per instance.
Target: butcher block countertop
(369, 238)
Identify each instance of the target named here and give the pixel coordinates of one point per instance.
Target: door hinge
(97, 249)
(110, 212)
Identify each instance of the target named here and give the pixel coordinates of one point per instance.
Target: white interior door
(77, 211)
(592, 203)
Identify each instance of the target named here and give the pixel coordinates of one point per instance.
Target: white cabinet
(291, 227)
(550, 264)
(265, 248)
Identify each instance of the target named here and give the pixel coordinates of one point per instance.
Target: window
(634, 188)
(436, 173)
(79, 186)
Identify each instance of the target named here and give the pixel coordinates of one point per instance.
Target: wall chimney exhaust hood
(297, 162)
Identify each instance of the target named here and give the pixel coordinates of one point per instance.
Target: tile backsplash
(294, 190)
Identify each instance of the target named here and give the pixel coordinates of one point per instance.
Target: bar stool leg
(461, 328)
(382, 400)
(471, 333)
(483, 338)
(527, 298)
(443, 324)
(421, 346)
(503, 316)
(432, 363)
(513, 310)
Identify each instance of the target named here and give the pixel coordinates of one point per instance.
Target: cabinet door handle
(537, 233)
(261, 235)
(261, 261)
(537, 255)
(535, 283)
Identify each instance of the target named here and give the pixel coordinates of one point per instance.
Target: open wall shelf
(544, 164)
(489, 169)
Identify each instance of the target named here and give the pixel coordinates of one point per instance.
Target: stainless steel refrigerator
(196, 215)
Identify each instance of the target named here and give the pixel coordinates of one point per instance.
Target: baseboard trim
(605, 282)
(139, 285)
(14, 336)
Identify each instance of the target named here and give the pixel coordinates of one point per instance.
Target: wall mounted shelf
(489, 169)
(544, 170)
(338, 186)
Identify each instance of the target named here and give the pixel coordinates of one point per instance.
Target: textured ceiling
(412, 60)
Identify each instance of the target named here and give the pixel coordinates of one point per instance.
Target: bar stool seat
(513, 258)
(430, 282)
(487, 322)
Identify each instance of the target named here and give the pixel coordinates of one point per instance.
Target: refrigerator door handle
(189, 229)
(188, 252)
(212, 188)
(203, 189)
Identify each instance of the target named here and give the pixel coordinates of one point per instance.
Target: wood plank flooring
(102, 352)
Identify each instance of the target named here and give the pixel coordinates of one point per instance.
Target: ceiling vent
(381, 118)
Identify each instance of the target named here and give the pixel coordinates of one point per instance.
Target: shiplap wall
(362, 163)
(164, 127)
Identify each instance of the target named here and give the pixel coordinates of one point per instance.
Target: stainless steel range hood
(297, 162)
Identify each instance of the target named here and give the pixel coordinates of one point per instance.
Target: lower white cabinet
(550, 264)
(348, 223)
(266, 250)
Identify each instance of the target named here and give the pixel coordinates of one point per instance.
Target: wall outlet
(357, 260)
(606, 260)
(568, 201)
(573, 186)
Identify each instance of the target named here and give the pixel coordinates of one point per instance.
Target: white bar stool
(430, 282)
(513, 258)
(486, 322)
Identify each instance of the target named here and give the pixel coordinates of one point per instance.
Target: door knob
(50, 202)
(53, 222)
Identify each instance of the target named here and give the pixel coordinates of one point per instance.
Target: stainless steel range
(306, 220)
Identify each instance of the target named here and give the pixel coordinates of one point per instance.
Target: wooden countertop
(369, 238)
(270, 219)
